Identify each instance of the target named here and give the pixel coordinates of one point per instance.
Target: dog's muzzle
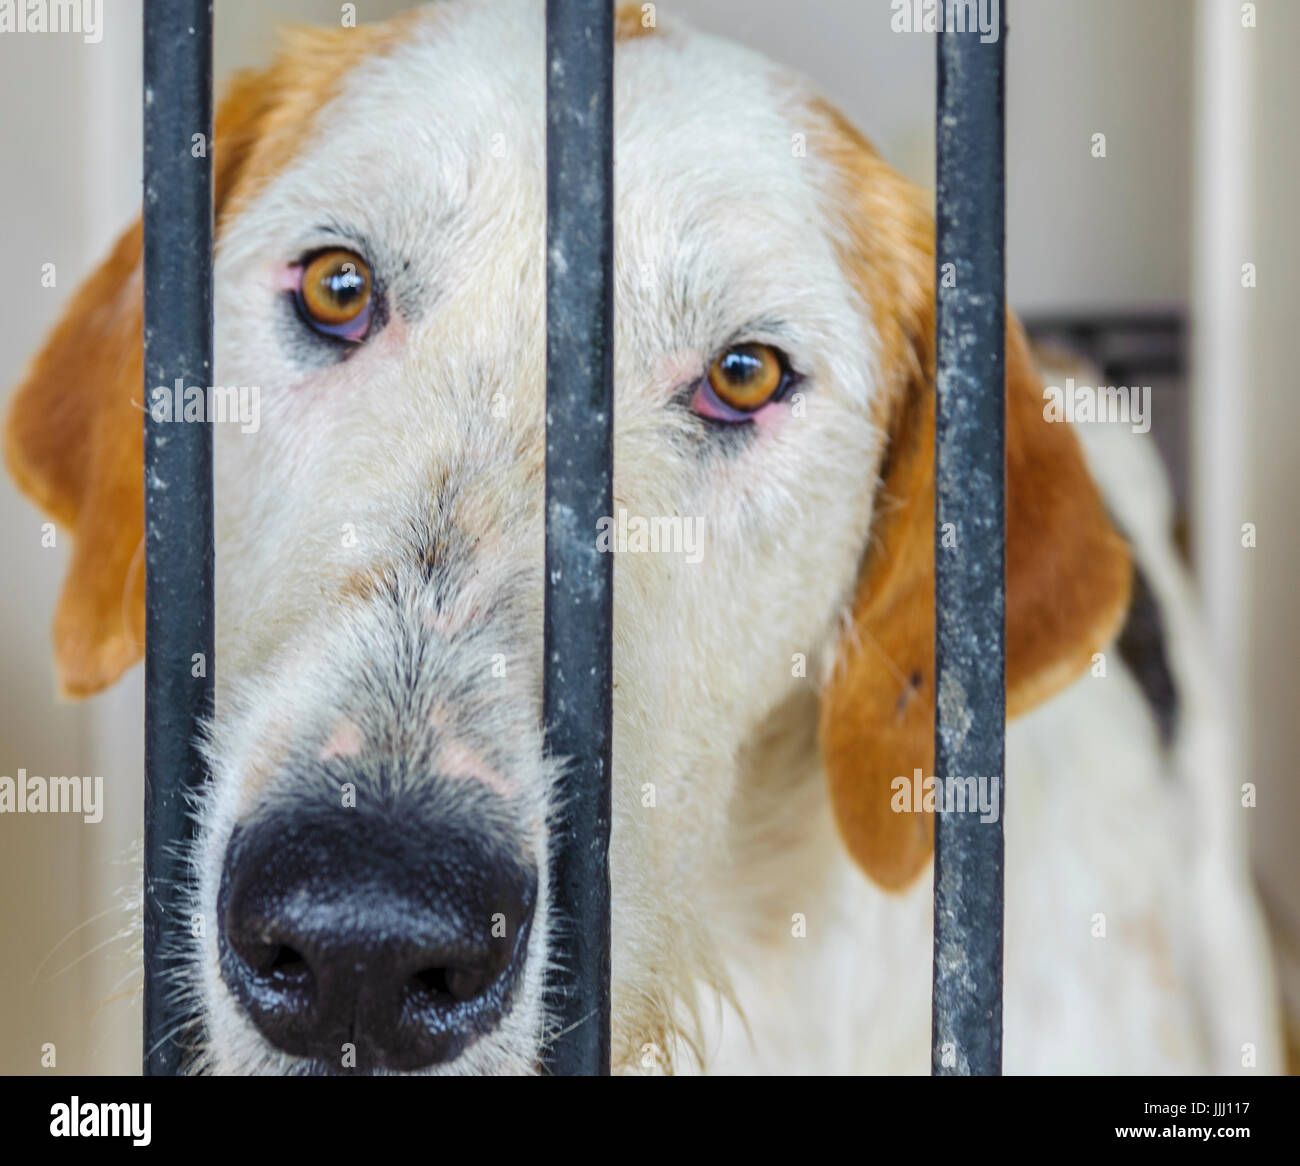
(372, 937)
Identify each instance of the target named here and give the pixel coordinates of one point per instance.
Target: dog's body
(379, 595)
(1133, 940)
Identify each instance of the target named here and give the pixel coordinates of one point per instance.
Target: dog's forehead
(435, 150)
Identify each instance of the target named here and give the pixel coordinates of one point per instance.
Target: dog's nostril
(458, 984)
(464, 984)
(285, 961)
(269, 959)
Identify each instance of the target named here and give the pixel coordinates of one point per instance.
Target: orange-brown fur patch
(630, 21)
(74, 443)
(364, 584)
(1067, 571)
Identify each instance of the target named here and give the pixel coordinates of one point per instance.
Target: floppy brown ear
(74, 438)
(1067, 570)
(74, 444)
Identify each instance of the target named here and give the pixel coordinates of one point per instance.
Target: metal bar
(579, 492)
(178, 491)
(970, 608)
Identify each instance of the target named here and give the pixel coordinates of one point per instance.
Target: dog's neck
(816, 958)
(782, 836)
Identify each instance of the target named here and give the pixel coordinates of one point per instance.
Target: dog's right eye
(334, 294)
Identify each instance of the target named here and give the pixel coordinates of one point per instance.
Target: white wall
(1248, 416)
(1081, 231)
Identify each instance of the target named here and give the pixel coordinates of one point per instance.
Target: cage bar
(579, 492)
(178, 491)
(970, 602)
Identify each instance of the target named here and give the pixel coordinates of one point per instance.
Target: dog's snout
(365, 940)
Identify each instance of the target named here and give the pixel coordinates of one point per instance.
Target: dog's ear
(73, 443)
(1067, 570)
(74, 437)
(74, 440)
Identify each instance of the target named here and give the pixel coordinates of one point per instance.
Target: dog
(372, 860)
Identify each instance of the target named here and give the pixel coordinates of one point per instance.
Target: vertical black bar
(178, 487)
(579, 492)
(970, 535)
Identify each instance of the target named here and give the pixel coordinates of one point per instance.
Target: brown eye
(334, 295)
(747, 376)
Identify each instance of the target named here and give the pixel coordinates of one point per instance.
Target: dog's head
(374, 846)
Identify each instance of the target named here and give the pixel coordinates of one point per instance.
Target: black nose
(367, 939)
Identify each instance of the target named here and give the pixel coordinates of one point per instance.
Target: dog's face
(374, 849)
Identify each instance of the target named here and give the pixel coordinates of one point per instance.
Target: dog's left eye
(741, 381)
(334, 294)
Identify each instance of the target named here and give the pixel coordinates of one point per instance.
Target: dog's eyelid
(304, 254)
(766, 331)
(331, 234)
(774, 338)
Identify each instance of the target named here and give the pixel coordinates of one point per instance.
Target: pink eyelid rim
(288, 277)
(706, 404)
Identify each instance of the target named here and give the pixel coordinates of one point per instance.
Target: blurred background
(1135, 256)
